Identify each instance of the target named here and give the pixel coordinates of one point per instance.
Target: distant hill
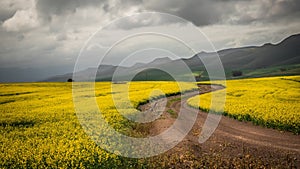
(254, 60)
(284, 53)
(268, 59)
(105, 72)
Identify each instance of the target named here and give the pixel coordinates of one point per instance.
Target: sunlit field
(271, 102)
(39, 127)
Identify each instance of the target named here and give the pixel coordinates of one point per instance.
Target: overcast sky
(41, 38)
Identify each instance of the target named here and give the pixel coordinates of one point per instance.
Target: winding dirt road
(234, 144)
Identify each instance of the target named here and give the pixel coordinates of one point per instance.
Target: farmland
(39, 126)
(271, 102)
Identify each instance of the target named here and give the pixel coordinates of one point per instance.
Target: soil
(234, 144)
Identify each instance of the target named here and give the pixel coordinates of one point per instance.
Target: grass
(172, 113)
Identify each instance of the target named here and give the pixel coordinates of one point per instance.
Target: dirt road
(234, 144)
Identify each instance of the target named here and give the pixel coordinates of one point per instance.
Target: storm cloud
(48, 34)
(228, 11)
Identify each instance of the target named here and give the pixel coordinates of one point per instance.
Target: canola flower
(271, 102)
(39, 127)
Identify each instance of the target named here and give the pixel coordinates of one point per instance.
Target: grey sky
(45, 36)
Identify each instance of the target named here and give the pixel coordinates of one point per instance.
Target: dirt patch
(234, 144)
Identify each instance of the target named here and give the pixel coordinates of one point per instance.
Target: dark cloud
(59, 7)
(47, 8)
(203, 13)
(6, 14)
(280, 8)
(200, 12)
(266, 11)
(39, 33)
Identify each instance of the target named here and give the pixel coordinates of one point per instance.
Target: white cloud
(21, 21)
(9, 7)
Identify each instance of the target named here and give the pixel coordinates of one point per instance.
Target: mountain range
(254, 61)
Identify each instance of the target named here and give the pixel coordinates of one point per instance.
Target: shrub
(237, 73)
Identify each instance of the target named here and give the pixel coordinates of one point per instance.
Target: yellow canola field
(39, 127)
(272, 102)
